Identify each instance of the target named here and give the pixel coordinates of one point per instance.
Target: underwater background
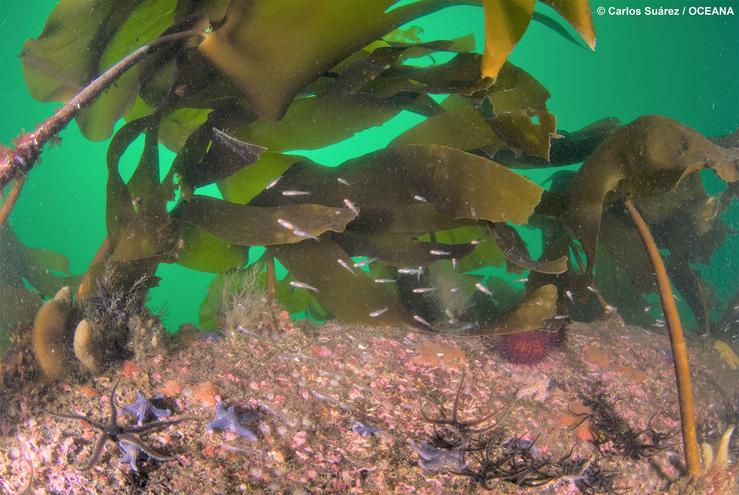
(685, 68)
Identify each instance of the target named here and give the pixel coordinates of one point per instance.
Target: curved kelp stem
(10, 200)
(677, 341)
(28, 147)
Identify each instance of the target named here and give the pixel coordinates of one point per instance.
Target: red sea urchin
(527, 348)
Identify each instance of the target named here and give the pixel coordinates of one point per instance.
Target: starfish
(121, 434)
(145, 409)
(230, 419)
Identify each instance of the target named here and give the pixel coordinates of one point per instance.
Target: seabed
(354, 409)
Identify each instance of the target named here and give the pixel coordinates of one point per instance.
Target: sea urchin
(527, 348)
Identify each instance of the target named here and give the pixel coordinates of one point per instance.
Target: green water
(686, 68)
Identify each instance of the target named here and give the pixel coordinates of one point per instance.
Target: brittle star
(119, 433)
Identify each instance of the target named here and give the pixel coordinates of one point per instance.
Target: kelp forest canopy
(400, 235)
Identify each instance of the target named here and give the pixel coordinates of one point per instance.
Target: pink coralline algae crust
(311, 386)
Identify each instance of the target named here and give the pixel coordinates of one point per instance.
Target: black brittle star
(120, 433)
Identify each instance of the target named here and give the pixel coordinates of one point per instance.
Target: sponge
(49, 335)
(84, 348)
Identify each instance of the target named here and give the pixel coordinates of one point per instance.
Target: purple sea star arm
(435, 459)
(144, 409)
(363, 429)
(228, 419)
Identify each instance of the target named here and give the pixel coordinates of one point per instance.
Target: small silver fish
(569, 295)
(423, 290)
(377, 313)
(385, 281)
(454, 290)
(449, 314)
(295, 193)
(421, 320)
(303, 285)
(360, 264)
(273, 183)
(420, 198)
(521, 280)
(592, 289)
(483, 289)
(346, 266)
(454, 263)
(286, 224)
(437, 252)
(560, 317)
(352, 207)
(343, 181)
(411, 271)
(611, 309)
(303, 233)
(475, 242)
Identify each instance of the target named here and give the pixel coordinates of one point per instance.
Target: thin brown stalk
(11, 199)
(271, 278)
(677, 341)
(28, 147)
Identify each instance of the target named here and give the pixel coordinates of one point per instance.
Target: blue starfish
(229, 419)
(435, 459)
(363, 429)
(144, 408)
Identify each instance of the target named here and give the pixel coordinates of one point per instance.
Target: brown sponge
(50, 336)
(84, 347)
